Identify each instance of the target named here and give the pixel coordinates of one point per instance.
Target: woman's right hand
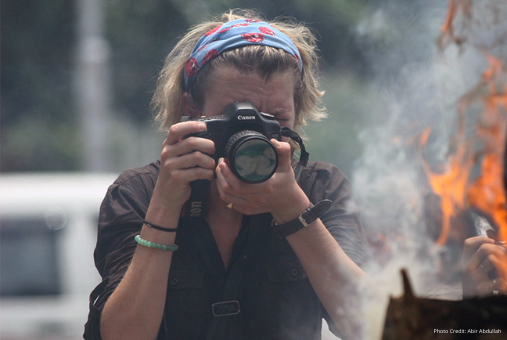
(183, 160)
(135, 309)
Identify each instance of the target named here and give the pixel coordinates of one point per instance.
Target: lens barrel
(251, 156)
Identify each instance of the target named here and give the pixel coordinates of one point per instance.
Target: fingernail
(276, 143)
(201, 126)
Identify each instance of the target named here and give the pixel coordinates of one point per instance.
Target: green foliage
(335, 139)
(35, 85)
(40, 124)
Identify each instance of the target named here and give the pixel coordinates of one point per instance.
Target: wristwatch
(303, 220)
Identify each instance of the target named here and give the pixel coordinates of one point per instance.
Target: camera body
(242, 136)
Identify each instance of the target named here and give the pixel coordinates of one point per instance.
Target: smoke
(416, 85)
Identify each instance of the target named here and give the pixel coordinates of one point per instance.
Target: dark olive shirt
(276, 298)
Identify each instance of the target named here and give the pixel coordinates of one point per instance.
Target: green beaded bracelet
(155, 245)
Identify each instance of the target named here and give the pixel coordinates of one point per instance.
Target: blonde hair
(167, 100)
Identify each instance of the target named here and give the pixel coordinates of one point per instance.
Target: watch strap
(303, 220)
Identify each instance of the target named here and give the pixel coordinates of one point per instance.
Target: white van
(48, 228)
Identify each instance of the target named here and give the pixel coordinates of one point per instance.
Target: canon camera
(242, 136)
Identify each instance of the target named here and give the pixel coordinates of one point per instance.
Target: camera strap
(197, 205)
(304, 156)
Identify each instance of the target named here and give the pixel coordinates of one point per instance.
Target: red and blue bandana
(231, 35)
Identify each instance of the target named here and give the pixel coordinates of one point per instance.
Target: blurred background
(78, 75)
(77, 78)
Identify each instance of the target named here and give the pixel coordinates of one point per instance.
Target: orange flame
(487, 194)
(455, 187)
(449, 34)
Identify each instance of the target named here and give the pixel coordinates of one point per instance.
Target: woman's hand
(485, 267)
(135, 309)
(183, 160)
(280, 195)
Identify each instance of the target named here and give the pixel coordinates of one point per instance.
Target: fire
(487, 194)
(451, 185)
(457, 189)
(448, 30)
(485, 150)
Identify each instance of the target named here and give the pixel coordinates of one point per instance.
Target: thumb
(492, 234)
(284, 153)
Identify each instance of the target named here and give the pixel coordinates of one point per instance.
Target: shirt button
(294, 272)
(174, 281)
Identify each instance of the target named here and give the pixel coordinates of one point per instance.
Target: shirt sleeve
(321, 181)
(121, 217)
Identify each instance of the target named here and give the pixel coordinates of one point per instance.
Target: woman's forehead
(240, 80)
(234, 82)
(275, 93)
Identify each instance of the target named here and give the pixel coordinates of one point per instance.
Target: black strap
(197, 205)
(303, 220)
(303, 158)
(229, 301)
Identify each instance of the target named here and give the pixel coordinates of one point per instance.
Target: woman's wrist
(291, 209)
(163, 215)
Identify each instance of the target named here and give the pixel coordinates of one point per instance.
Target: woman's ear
(189, 106)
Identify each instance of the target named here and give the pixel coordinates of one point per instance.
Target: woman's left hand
(280, 195)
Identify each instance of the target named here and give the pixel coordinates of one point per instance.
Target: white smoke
(417, 86)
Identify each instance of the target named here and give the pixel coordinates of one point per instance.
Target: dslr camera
(242, 136)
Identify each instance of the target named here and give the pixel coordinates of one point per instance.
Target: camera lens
(251, 156)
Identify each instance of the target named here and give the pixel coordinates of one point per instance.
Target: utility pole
(92, 86)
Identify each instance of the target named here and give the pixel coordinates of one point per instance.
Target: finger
(484, 257)
(236, 201)
(187, 145)
(190, 160)
(245, 202)
(234, 186)
(486, 266)
(478, 275)
(179, 130)
(189, 175)
(284, 154)
(471, 246)
(492, 234)
(479, 255)
(484, 289)
(498, 263)
(492, 287)
(496, 258)
(225, 188)
(222, 181)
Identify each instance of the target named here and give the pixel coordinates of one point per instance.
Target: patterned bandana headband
(231, 35)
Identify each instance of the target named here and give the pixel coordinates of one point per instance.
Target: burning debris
(457, 188)
(437, 177)
(409, 317)
(474, 175)
(472, 180)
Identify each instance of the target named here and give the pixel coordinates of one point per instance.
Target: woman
(249, 269)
